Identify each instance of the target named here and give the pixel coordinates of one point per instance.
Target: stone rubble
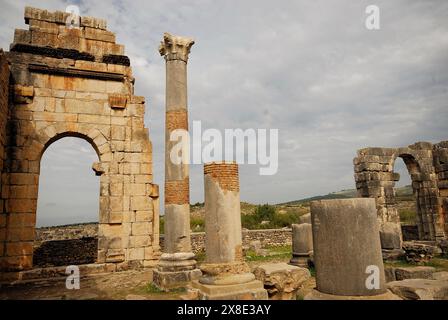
(281, 280)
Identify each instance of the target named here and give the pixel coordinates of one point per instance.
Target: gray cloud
(308, 68)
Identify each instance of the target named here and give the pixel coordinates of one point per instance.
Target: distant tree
(265, 212)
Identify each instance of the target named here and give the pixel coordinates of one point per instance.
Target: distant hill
(403, 193)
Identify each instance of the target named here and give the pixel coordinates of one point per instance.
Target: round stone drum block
(347, 247)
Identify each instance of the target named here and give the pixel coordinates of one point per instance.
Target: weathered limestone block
(420, 289)
(420, 272)
(391, 241)
(346, 246)
(281, 280)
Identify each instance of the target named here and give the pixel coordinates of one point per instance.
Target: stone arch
(61, 87)
(415, 172)
(375, 178)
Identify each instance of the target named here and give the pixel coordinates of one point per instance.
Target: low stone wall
(78, 243)
(267, 237)
(68, 232)
(65, 252)
(66, 245)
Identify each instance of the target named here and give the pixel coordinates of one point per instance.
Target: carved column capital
(175, 47)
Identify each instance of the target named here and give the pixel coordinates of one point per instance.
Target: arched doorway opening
(67, 207)
(405, 196)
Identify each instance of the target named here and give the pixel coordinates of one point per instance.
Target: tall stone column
(177, 265)
(225, 274)
(347, 250)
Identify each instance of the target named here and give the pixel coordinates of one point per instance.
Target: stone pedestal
(225, 274)
(302, 245)
(391, 241)
(347, 249)
(177, 266)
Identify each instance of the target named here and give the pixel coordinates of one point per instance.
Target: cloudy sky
(307, 68)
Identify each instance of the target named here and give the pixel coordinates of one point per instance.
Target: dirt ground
(127, 285)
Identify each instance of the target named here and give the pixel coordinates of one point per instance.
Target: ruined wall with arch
(427, 165)
(76, 82)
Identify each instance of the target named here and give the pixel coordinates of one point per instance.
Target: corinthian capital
(175, 48)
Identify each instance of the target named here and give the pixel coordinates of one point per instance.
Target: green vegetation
(440, 263)
(200, 256)
(312, 271)
(403, 193)
(267, 217)
(197, 224)
(273, 253)
(407, 215)
(161, 225)
(151, 288)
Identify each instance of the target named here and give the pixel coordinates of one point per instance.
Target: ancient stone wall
(75, 235)
(68, 232)
(4, 93)
(441, 169)
(78, 82)
(65, 252)
(267, 237)
(375, 178)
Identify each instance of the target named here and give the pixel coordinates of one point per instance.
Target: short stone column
(177, 265)
(225, 274)
(302, 245)
(347, 250)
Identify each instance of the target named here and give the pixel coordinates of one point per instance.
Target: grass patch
(407, 215)
(399, 263)
(273, 253)
(200, 256)
(312, 271)
(151, 288)
(441, 264)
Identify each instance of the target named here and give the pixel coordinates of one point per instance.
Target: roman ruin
(67, 76)
(427, 165)
(77, 82)
(177, 265)
(225, 273)
(347, 250)
(302, 245)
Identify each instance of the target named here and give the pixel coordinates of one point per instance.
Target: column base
(167, 280)
(175, 270)
(252, 290)
(301, 261)
(317, 295)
